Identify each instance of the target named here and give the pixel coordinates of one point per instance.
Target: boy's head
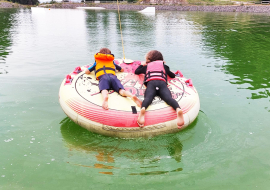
(153, 55)
(105, 51)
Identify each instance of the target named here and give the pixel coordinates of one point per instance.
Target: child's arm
(170, 73)
(141, 70)
(118, 68)
(90, 69)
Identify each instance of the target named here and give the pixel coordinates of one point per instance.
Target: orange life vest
(104, 64)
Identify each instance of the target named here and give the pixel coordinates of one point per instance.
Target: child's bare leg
(105, 99)
(141, 119)
(180, 118)
(133, 97)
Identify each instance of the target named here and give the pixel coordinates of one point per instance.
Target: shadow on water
(243, 40)
(7, 17)
(146, 152)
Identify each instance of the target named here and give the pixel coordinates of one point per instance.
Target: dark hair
(153, 55)
(105, 51)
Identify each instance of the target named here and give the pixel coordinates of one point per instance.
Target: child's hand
(87, 71)
(122, 70)
(143, 63)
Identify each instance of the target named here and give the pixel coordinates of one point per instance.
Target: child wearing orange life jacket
(156, 85)
(105, 67)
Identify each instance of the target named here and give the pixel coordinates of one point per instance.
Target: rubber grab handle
(178, 73)
(77, 70)
(68, 79)
(189, 82)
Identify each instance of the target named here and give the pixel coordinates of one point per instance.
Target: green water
(225, 54)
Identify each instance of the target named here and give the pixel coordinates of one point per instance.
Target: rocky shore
(4, 4)
(206, 8)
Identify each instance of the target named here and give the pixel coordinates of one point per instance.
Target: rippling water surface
(225, 54)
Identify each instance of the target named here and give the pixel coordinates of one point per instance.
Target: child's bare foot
(180, 118)
(141, 120)
(105, 103)
(137, 101)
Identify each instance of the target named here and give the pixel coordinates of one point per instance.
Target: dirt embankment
(4, 4)
(207, 8)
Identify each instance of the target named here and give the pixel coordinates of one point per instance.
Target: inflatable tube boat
(81, 100)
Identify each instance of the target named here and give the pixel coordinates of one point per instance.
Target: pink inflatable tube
(80, 99)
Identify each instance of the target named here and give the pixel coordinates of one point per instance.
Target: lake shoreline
(204, 8)
(5, 4)
(113, 6)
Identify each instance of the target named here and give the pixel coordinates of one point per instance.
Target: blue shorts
(110, 82)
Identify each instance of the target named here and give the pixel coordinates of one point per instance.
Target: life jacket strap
(108, 77)
(151, 74)
(103, 69)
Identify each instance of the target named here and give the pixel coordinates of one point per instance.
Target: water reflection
(100, 24)
(142, 154)
(7, 20)
(244, 41)
(134, 25)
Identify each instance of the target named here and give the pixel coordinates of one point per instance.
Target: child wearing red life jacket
(105, 69)
(156, 85)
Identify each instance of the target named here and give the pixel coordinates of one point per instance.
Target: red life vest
(155, 71)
